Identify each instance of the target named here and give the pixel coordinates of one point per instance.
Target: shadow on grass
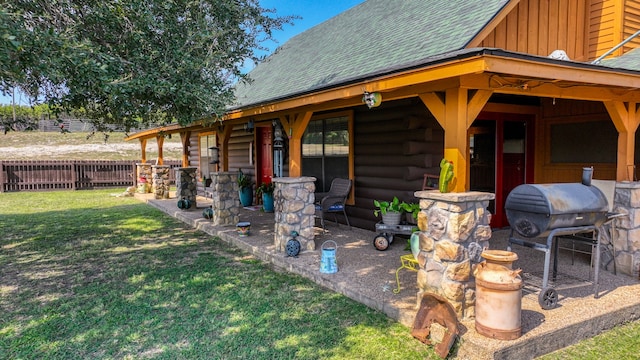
(120, 279)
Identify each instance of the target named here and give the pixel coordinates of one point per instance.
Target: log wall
(394, 146)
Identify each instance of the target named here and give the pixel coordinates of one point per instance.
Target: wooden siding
(611, 22)
(539, 27)
(631, 24)
(604, 26)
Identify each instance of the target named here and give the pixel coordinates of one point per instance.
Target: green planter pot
(267, 202)
(246, 196)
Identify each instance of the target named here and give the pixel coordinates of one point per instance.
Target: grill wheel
(548, 298)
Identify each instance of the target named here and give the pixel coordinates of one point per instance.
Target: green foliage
(14, 118)
(132, 62)
(266, 188)
(243, 180)
(395, 205)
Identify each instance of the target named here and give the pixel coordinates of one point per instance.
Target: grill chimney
(587, 174)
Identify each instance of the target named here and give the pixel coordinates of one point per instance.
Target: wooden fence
(69, 174)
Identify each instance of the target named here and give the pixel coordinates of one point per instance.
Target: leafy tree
(132, 62)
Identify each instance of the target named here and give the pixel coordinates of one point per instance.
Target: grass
(87, 275)
(82, 146)
(620, 343)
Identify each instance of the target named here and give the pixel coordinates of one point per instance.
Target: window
(206, 140)
(327, 149)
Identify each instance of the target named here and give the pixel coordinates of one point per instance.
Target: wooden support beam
(224, 134)
(185, 137)
(160, 142)
(143, 150)
(626, 118)
(456, 111)
(298, 126)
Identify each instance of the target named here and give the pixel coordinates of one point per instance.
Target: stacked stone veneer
(626, 237)
(226, 201)
(453, 231)
(144, 171)
(161, 181)
(187, 185)
(294, 209)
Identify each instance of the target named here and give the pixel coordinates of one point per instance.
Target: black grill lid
(555, 199)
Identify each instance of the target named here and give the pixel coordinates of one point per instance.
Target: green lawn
(86, 275)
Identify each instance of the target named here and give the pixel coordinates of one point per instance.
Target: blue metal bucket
(328, 263)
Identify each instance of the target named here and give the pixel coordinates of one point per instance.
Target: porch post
(224, 134)
(295, 130)
(455, 113)
(625, 117)
(143, 150)
(184, 139)
(160, 142)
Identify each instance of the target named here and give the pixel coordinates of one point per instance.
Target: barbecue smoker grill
(552, 210)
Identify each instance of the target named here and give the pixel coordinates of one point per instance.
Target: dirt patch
(58, 151)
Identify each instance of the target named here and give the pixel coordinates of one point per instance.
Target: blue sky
(312, 12)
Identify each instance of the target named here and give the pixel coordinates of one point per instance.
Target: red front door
(501, 157)
(264, 154)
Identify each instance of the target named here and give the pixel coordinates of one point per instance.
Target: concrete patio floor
(369, 276)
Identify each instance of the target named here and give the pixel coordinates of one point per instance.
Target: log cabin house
(511, 91)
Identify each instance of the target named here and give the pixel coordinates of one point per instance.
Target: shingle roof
(372, 38)
(628, 61)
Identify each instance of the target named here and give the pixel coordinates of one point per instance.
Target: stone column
(187, 185)
(161, 183)
(144, 174)
(453, 230)
(626, 237)
(293, 200)
(226, 201)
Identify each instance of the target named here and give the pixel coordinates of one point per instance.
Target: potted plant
(266, 189)
(206, 181)
(391, 211)
(245, 189)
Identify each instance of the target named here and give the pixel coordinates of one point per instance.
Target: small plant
(397, 206)
(383, 207)
(266, 188)
(243, 180)
(413, 209)
(206, 181)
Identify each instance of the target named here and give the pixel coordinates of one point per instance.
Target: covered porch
(368, 276)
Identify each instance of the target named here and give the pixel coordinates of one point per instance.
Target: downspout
(597, 61)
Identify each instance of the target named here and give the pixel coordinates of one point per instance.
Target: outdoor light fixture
(278, 149)
(372, 99)
(248, 127)
(214, 155)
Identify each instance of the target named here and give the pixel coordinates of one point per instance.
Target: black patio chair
(334, 201)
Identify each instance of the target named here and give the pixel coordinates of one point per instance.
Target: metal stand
(386, 232)
(548, 298)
